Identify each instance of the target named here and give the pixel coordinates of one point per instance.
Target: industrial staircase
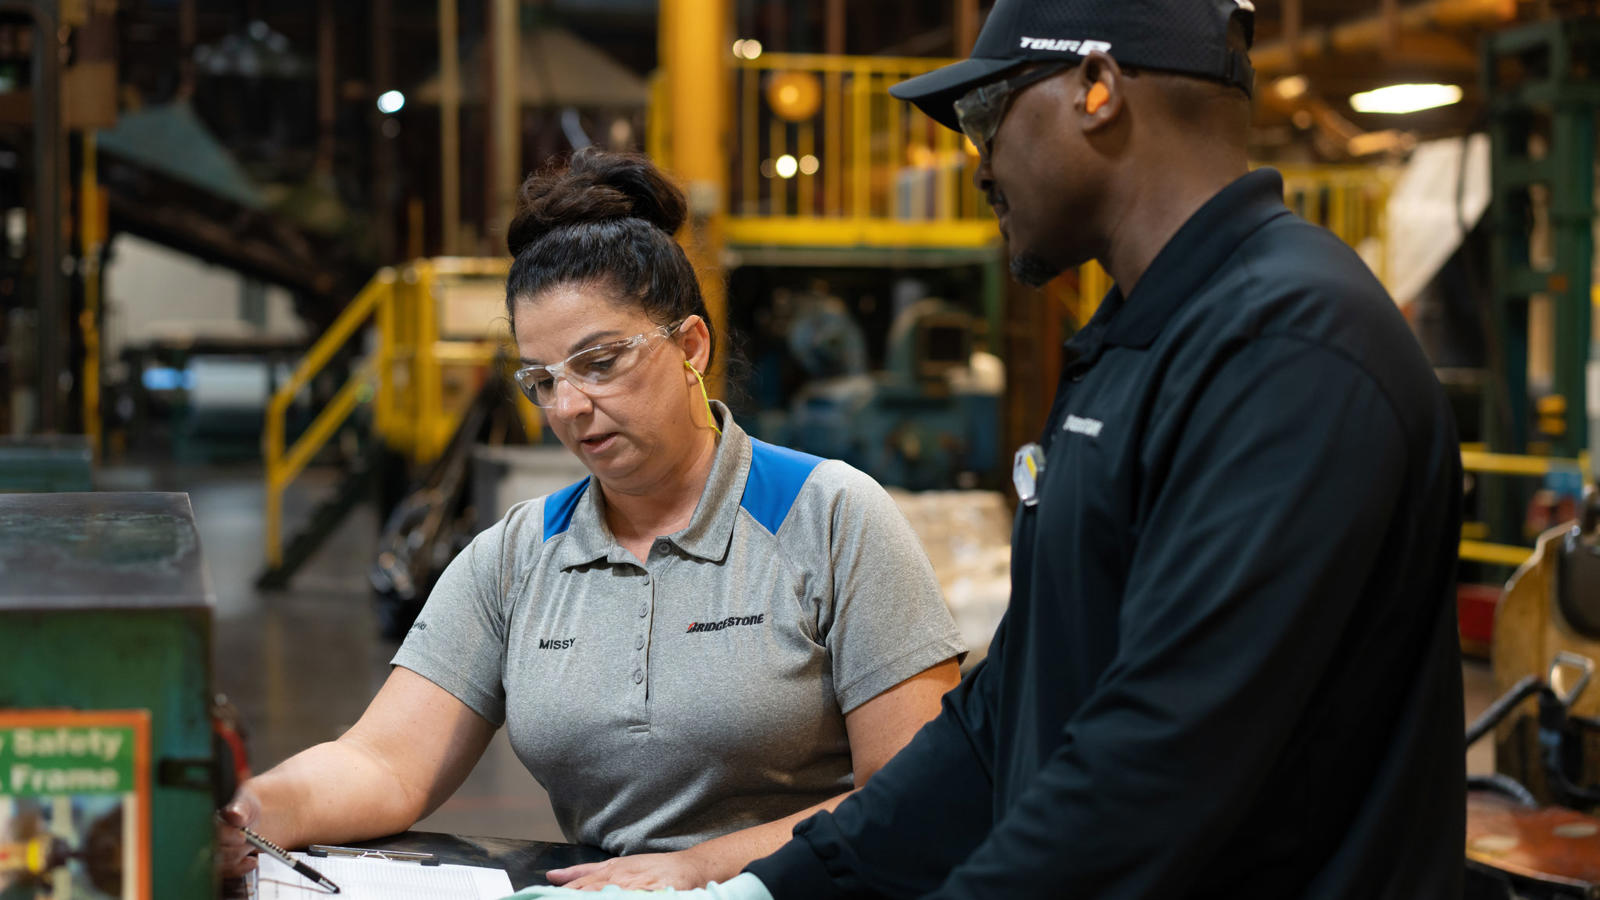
(360, 482)
(426, 350)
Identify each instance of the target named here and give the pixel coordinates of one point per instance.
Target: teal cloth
(744, 886)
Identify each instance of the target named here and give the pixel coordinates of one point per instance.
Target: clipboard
(378, 875)
(323, 851)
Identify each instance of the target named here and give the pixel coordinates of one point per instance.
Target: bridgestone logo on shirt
(1083, 426)
(729, 622)
(1082, 48)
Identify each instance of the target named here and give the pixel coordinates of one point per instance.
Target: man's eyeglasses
(595, 371)
(980, 110)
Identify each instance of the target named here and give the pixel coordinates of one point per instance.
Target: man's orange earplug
(1098, 95)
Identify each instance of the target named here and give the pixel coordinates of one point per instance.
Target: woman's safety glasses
(980, 110)
(596, 371)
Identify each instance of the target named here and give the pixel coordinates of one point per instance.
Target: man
(1230, 664)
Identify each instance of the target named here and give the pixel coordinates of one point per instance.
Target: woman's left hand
(646, 871)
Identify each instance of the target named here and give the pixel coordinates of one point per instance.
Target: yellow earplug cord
(707, 397)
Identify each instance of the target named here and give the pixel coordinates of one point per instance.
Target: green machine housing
(105, 605)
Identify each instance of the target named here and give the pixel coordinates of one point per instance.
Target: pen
(282, 855)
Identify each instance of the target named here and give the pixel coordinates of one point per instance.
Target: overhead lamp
(391, 102)
(747, 48)
(1399, 99)
(787, 166)
(795, 96)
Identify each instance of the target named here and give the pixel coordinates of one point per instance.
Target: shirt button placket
(637, 674)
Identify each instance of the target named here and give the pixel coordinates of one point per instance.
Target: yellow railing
(412, 375)
(1350, 201)
(822, 156)
(283, 466)
(1485, 463)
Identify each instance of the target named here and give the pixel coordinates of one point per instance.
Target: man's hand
(645, 872)
(741, 887)
(234, 856)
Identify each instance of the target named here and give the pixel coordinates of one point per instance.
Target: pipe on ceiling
(1374, 32)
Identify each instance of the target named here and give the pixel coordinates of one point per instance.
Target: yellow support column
(696, 51)
(433, 430)
(92, 227)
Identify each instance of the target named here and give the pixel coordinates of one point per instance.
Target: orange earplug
(1098, 95)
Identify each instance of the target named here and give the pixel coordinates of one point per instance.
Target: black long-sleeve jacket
(1230, 664)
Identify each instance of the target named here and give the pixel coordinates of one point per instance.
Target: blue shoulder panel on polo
(559, 506)
(776, 476)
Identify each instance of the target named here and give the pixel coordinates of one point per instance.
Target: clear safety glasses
(980, 110)
(596, 371)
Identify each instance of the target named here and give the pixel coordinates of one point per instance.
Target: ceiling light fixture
(1398, 99)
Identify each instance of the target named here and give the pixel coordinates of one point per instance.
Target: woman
(695, 648)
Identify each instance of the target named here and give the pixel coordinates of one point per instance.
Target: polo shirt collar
(710, 530)
(1189, 260)
(588, 538)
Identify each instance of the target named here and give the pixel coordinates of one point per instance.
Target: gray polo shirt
(704, 691)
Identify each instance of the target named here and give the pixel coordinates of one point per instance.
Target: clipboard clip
(327, 850)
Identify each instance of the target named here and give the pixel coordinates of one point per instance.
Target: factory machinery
(1532, 833)
(113, 754)
(929, 420)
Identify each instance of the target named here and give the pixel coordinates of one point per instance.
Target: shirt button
(647, 579)
(644, 610)
(638, 676)
(638, 643)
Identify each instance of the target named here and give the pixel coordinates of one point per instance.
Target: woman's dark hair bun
(594, 186)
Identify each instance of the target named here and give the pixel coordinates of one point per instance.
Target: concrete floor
(301, 664)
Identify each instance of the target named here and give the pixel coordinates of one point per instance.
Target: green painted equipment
(105, 605)
(43, 463)
(1542, 82)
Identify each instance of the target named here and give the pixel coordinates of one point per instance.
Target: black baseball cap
(1184, 36)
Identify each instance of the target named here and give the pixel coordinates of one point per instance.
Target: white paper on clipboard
(366, 878)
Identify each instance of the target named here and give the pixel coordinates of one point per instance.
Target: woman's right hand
(235, 857)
